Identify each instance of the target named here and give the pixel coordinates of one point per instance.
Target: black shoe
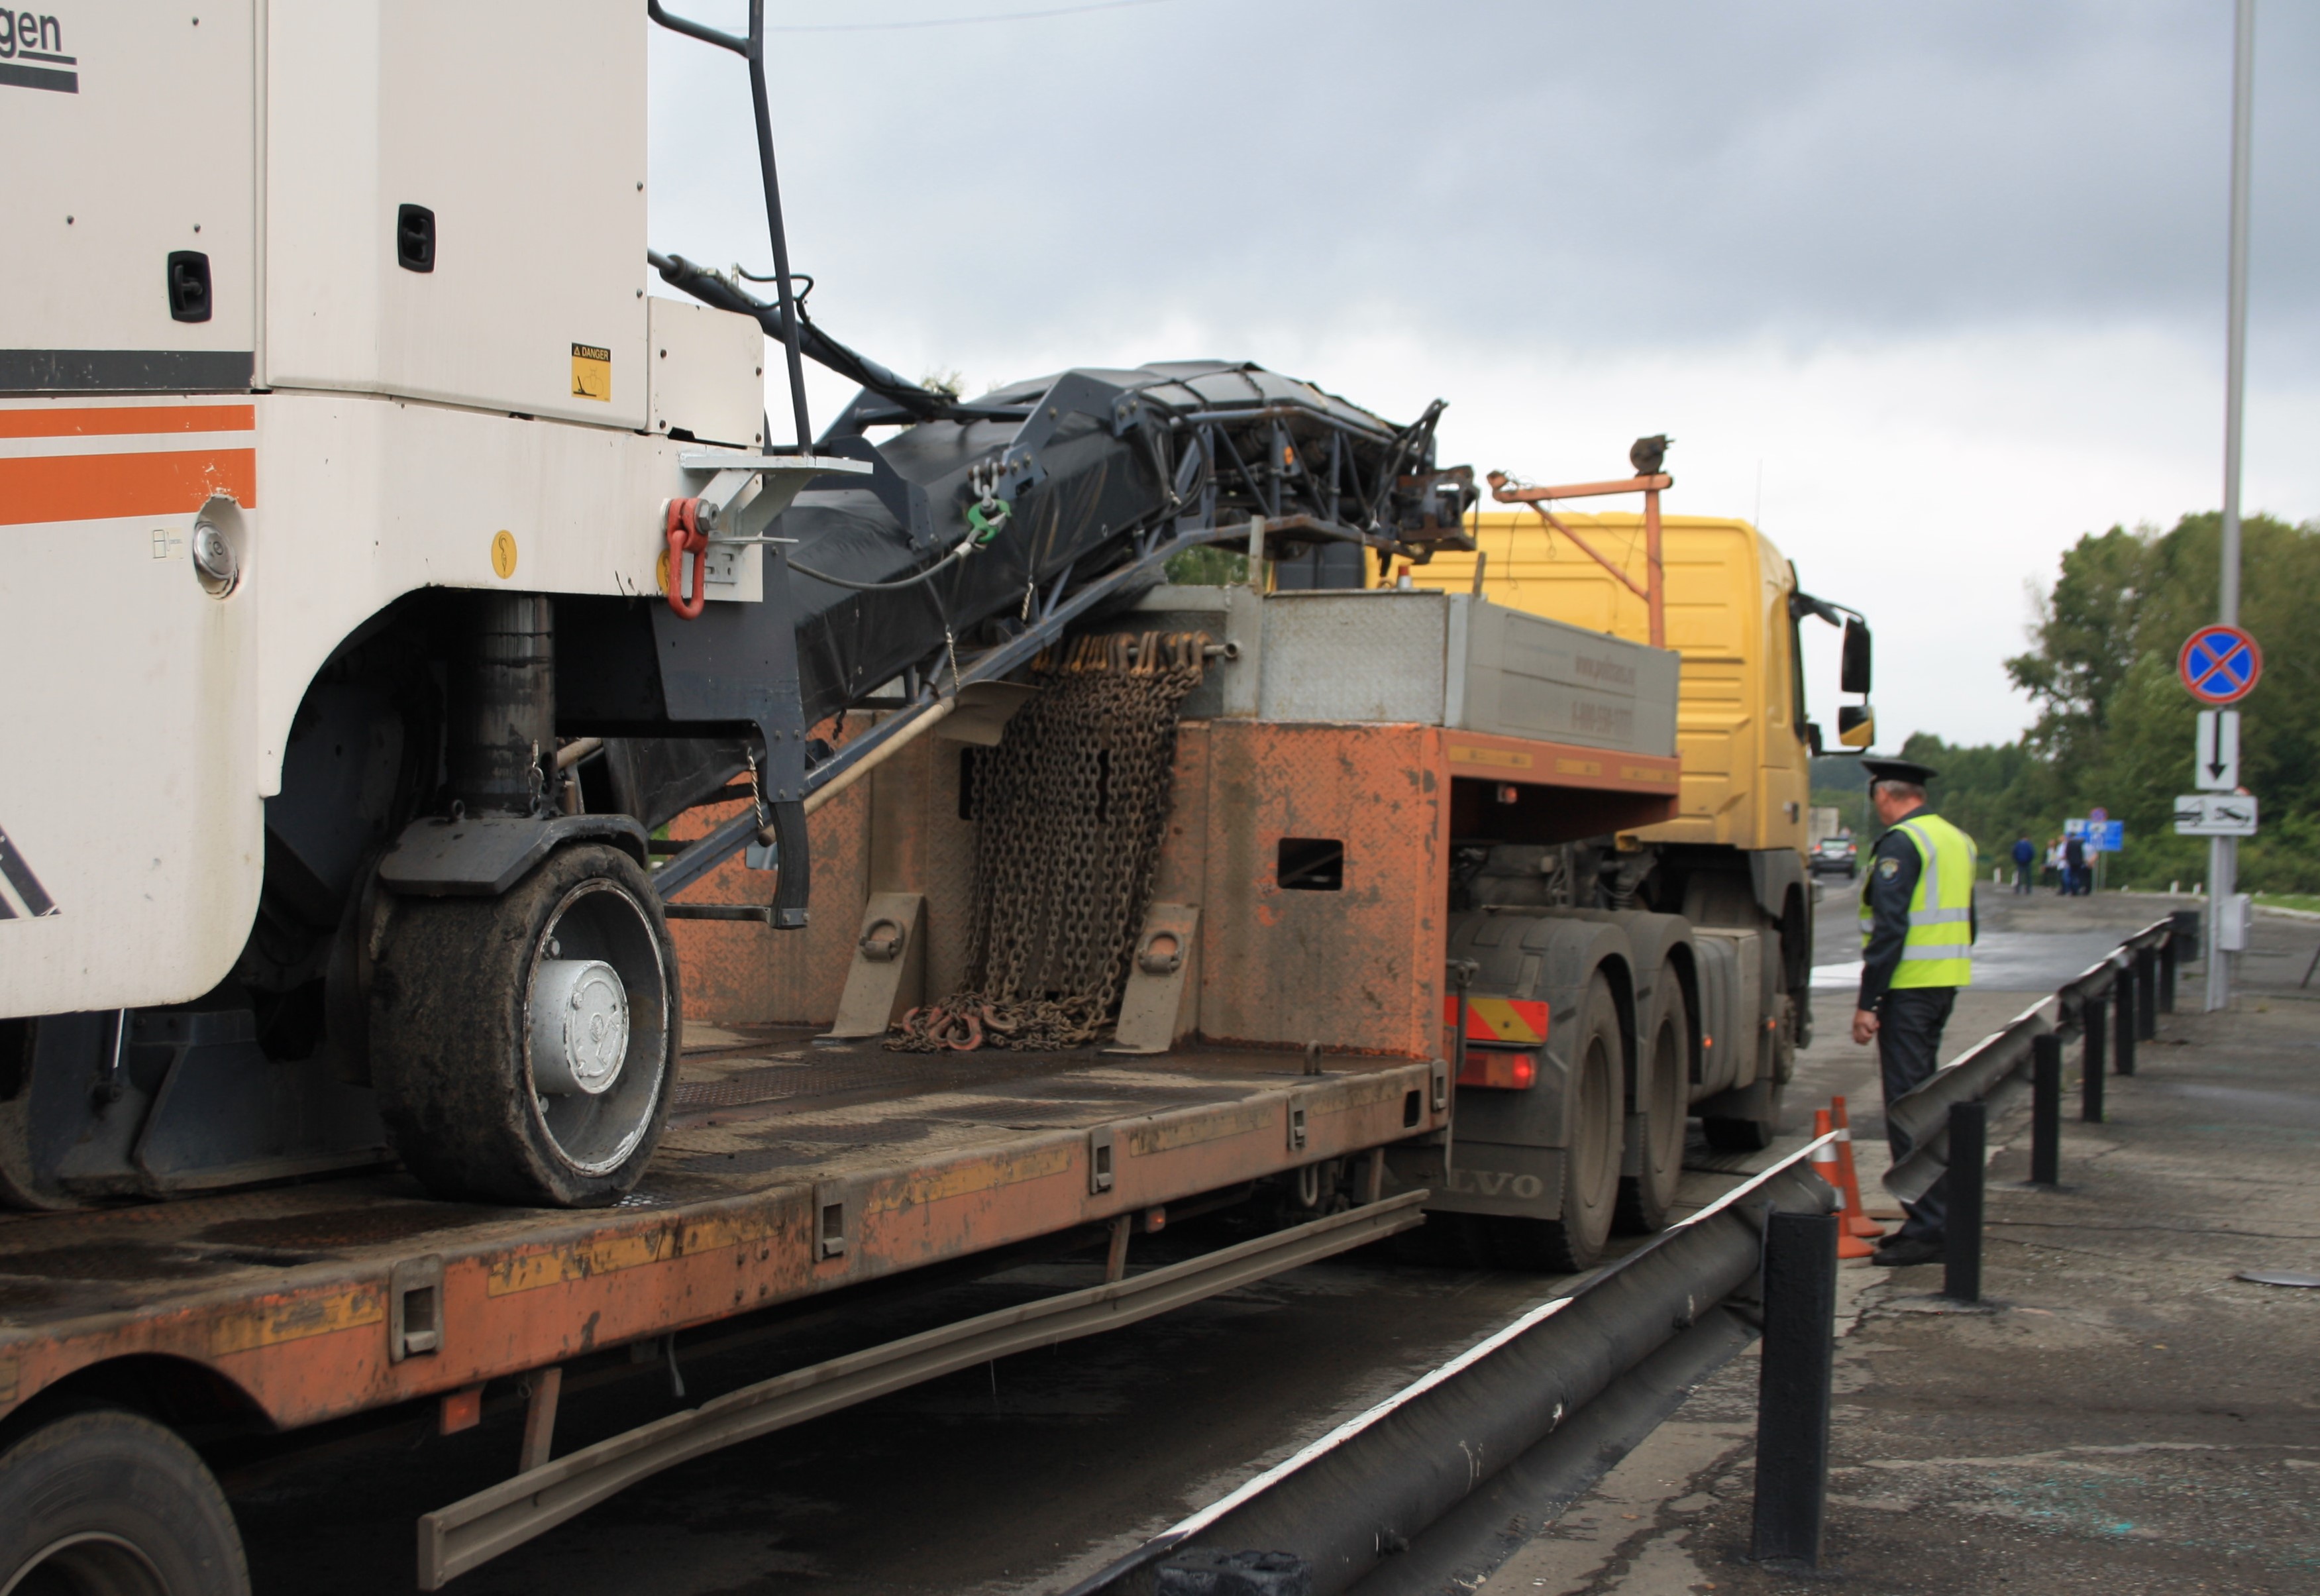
(1902, 1251)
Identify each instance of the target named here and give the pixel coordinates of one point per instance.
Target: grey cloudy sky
(1936, 288)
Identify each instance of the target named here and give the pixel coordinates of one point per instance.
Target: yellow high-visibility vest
(1939, 948)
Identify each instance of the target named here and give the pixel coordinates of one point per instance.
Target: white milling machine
(342, 454)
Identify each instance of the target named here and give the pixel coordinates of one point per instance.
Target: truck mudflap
(1494, 1177)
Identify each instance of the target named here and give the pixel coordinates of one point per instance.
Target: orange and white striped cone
(1856, 1212)
(1825, 1165)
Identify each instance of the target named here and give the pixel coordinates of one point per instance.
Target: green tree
(2114, 726)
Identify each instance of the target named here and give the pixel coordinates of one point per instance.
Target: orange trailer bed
(789, 1169)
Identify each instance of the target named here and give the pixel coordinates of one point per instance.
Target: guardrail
(2114, 1005)
(1356, 1505)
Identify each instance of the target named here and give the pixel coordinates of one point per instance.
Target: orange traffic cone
(1856, 1212)
(1825, 1165)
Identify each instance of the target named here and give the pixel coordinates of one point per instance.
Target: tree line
(2114, 726)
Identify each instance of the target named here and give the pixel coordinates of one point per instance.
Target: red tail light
(1506, 1071)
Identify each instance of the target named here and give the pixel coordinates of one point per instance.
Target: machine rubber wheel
(1590, 1163)
(525, 1047)
(104, 1503)
(1646, 1196)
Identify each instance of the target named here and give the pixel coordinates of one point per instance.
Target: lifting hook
(685, 536)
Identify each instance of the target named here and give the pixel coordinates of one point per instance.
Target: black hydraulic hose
(711, 289)
(929, 575)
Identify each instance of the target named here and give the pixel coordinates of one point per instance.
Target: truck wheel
(1658, 1124)
(108, 1503)
(1590, 1163)
(524, 1046)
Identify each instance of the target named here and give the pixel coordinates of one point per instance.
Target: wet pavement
(2126, 1416)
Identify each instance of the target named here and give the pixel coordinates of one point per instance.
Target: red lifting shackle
(685, 536)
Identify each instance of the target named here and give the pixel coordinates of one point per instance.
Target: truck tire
(1590, 1160)
(485, 1096)
(1657, 1126)
(110, 1503)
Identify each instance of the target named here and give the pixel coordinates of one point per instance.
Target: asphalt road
(1025, 1475)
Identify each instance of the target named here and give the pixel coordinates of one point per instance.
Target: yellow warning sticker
(591, 373)
(504, 553)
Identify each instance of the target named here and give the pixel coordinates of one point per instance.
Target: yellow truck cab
(1735, 854)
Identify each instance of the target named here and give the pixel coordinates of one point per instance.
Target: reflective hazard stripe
(1519, 1023)
(1940, 917)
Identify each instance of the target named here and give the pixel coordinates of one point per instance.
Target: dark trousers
(1909, 1021)
(2021, 879)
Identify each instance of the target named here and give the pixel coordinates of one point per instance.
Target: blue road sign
(2220, 664)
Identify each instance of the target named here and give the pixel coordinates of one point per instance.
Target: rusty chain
(1070, 810)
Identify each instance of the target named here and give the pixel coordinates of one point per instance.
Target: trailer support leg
(543, 1387)
(1115, 1263)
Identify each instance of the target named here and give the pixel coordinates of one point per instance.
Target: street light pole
(2223, 852)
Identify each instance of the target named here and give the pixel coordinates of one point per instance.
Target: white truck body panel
(152, 148)
(504, 121)
(397, 425)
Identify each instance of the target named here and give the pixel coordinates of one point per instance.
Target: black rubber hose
(929, 575)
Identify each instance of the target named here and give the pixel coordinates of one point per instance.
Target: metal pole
(2092, 1021)
(1793, 1392)
(2122, 1005)
(1654, 572)
(2223, 852)
(2046, 1109)
(2146, 994)
(790, 344)
(1962, 1231)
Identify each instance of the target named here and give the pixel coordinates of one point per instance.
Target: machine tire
(105, 1501)
(1646, 1196)
(451, 1038)
(1590, 1160)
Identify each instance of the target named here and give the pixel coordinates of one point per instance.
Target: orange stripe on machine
(1513, 1022)
(98, 488)
(111, 420)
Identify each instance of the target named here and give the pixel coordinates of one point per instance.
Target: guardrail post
(2046, 1109)
(1961, 1232)
(2093, 1021)
(2168, 972)
(1792, 1392)
(2146, 993)
(2123, 1012)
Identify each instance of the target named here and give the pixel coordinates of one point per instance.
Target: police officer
(1917, 929)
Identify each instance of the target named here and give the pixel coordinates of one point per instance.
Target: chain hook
(685, 536)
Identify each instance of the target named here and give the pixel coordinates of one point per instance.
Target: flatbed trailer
(789, 1171)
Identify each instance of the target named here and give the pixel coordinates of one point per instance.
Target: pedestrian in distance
(1917, 930)
(2054, 866)
(2074, 867)
(2026, 853)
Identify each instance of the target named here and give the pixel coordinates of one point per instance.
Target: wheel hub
(579, 1026)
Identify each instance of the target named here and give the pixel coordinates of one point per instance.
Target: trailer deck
(789, 1169)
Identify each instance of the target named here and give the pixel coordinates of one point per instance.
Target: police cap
(1898, 770)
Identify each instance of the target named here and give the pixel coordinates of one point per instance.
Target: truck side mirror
(1854, 675)
(1856, 725)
